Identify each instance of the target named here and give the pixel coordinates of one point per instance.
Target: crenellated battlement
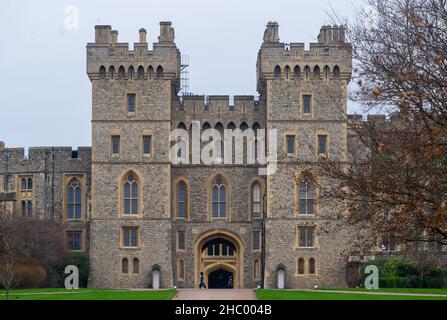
(223, 102)
(229, 111)
(109, 59)
(328, 59)
(372, 118)
(42, 153)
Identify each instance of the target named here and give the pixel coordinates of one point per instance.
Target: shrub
(82, 261)
(27, 274)
(404, 273)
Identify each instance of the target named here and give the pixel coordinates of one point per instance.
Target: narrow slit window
(307, 104)
(131, 99)
(290, 144)
(147, 145)
(322, 144)
(115, 145)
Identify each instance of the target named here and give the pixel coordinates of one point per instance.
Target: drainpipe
(263, 242)
(52, 183)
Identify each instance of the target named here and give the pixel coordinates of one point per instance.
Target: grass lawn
(301, 295)
(87, 294)
(49, 290)
(395, 290)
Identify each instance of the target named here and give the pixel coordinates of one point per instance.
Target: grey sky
(45, 93)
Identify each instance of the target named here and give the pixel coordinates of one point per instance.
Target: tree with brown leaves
(396, 184)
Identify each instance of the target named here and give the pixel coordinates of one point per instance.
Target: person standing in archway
(202, 284)
(230, 282)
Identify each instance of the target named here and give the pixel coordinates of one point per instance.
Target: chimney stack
(143, 34)
(103, 34)
(329, 34)
(166, 32)
(271, 33)
(114, 34)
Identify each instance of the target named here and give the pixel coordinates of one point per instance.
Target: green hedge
(404, 273)
(82, 261)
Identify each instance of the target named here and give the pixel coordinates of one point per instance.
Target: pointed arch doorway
(218, 254)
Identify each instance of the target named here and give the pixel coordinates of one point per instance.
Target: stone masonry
(287, 75)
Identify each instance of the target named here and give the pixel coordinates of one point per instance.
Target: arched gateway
(218, 254)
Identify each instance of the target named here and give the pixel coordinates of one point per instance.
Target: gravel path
(209, 294)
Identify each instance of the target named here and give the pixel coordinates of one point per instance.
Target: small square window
(130, 237)
(147, 145)
(74, 240)
(290, 144)
(115, 145)
(306, 237)
(307, 104)
(131, 99)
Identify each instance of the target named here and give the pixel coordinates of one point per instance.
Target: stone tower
(305, 94)
(132, 93)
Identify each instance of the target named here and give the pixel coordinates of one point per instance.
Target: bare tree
(28, 247)
(397, 181)
(8, 251)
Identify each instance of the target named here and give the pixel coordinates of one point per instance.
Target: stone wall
(49, 168)
(282, 82)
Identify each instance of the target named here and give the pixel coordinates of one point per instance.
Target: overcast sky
(46, 95)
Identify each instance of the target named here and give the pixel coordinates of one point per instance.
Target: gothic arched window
(307, 72)
(231, 126)
(300, 266)
(219, 198)
(182, 205)
(30, 184)
(336, 72)
(121, 73)
(140, 73)
(150, 73)
(131, 73)
(102, 72)
(74, 199)
(23, 184)
(317, 73)
(24, 209)
(131, 194)
(219, 127)
(136, 266)
(307, 190)
(287, 72)
(312, 269)
(297, 72)
(125, 266)
(206, 126)
(181, 126)
(277, 72)
(112, 72)
(327, 72)
(160, 72)
(256, 200)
